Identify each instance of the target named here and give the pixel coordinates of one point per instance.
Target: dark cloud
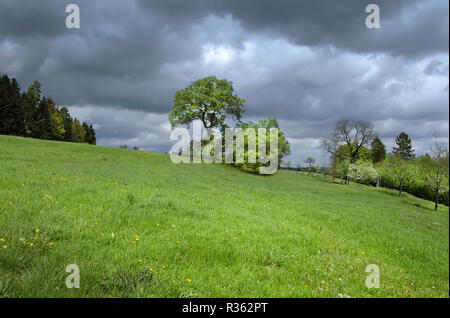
(409, 27)
(307, 63)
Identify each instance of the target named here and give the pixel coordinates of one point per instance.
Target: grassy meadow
(138, 225)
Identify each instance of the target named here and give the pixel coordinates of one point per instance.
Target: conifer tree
(31, 100)
(404, 147)
(67, 121)
(378, 151)
(78, 132)
(11, 108)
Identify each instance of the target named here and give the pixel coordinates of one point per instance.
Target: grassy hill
(138, 225)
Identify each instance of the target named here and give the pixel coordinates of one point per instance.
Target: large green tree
(210, 100)
(404, 147)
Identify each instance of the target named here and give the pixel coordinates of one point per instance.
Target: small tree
(398, 167)
(436, 171)
(404, 147)
(378, 150)
(341, 170)
(310, 161)
(298, 166)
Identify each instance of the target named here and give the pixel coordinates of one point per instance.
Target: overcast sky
(307, 63)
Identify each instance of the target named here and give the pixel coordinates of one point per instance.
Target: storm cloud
(307, 63)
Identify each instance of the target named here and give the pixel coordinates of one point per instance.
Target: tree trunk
(400, 189)
(436, 201)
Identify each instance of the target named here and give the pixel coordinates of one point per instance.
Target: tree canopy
(352, 134)
(210, 100)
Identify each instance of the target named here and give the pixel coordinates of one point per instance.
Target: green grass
(231, 233)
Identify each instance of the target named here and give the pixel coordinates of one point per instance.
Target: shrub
(362, 172)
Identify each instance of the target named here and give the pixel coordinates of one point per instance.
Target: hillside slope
(138, 225)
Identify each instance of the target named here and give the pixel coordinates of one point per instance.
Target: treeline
(359, 155)
(28, 114)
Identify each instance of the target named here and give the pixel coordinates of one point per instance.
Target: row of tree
(28, 114)
(352, 160)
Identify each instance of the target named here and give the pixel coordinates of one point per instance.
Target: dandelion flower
(188, 280)
(163, 266)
